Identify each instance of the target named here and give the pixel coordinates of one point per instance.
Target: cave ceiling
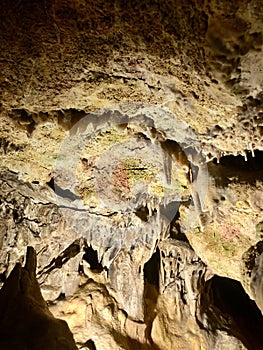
(131, 141)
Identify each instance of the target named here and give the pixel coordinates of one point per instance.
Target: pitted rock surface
(131, 138)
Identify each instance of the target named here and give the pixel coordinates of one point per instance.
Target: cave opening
(229, 308)
(254, 161)
(67, 118)
(172, 213)
(91, 257)
(90, 344)
(151, 291)
(2, 277)
(151, 269)
(143, 213)
(237, 168)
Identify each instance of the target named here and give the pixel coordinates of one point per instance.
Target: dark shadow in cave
(69, 117)
(253, 163)
(60, 191)
(24, 119)
(129, 343)
(143, 213)
(237, 167)
(91, 256)
(172, 213)
(230, 309)
(151, 292)
(90, 344)
(173, 153)
(151, 269)
(170, 210)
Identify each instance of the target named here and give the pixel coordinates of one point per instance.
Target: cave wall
(139, 258)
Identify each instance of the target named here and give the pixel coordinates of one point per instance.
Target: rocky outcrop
(251, 265)
(145, 296)
(26, 321)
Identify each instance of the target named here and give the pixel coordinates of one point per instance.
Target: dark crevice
(143, 213)
(35, 182)
(90, 345)
(173, 153)
(151, 269)
(60, 191)
(17, 216)
(174, 150)
(56, 263)
(61, 296)
(24, 119)
(236, 167)
(7, 146)
(251, 254)
(182, 295)
(254, 101)
(151, 292)
(228, 308)
(68, 118)
(253, 163)
(91, 257)
(2, 277)
(177, 233)
(51, 184)
(175, 226)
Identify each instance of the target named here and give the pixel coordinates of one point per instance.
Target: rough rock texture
(131, 160)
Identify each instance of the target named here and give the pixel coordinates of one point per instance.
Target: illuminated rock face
(131, 140)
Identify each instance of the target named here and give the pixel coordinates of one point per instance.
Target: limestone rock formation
(26, 322)
(131, 141)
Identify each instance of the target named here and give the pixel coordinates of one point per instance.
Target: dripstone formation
(131, 143)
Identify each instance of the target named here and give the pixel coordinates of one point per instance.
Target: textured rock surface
(131, 160)
(26, 322)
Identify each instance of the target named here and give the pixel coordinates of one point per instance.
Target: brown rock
(127, 128)
(26, 321)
